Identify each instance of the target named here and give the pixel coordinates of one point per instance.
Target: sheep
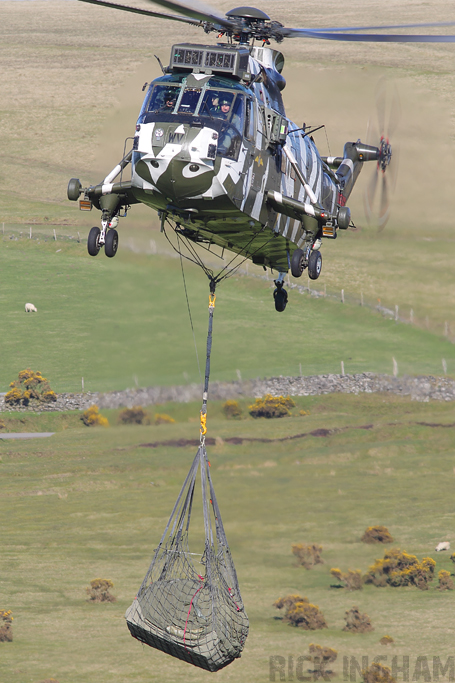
(445, 545)
(30, 308)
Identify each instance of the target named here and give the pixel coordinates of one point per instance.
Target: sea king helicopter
(216, 156)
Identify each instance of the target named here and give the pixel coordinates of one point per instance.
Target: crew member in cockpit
(170, 98)
(225, 108)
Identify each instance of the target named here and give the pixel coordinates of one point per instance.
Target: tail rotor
(379, 133)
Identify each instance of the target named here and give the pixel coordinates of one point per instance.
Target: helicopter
(216, 156)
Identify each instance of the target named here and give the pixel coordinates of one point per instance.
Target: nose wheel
(107, 237)
(280, 296)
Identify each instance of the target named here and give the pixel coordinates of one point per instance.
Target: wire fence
(63, 232)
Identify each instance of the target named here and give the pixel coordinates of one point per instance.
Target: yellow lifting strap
(203, 423)
(212, 299)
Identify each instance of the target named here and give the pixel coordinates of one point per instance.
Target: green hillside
(92, 503)
(118, 322)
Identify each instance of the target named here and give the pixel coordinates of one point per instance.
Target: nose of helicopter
(183, 179)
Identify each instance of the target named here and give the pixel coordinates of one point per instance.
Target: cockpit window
(189, 101)
(164, 98)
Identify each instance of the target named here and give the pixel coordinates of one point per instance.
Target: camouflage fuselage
(211, 172)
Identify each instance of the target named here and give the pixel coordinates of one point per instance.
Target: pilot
(225, 108)
(170, 98)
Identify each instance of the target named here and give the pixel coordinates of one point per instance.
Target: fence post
(446, 329)
(300, 369)
(82, 385)
(361, 298)
(444, 366)
(342, 296)
(395, 367)
(239, 375)
(342, 368)
(411, 318)
(30, 232)
(55, 236)
(396, 313)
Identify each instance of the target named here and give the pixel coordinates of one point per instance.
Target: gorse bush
(99, 591)
(352, 579)
(387, 640)
(307, 555)
(445, 581)
(356, 622)
(29, 387)
(232, 410)
(6, 626)
(133, 416)
(399, 568)
(272, 406)
(377, 534)
(376, 673)
(163, 419)
(320, 657)
(92, 417)
(300, 612)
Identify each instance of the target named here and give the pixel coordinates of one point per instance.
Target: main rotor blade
(146, 12)
(380, 28)
(362, 37)
(198, 10)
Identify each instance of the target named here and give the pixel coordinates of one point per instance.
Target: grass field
(122, 321)
(90, 502)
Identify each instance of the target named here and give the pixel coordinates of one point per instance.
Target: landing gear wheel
(74, 189)
(280, 296)
(314, 265)
(297, 263)
(111, 244)
(93, 242)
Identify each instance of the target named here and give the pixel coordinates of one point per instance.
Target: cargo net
(194, 613)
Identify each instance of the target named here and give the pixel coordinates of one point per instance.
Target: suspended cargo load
(194, 613)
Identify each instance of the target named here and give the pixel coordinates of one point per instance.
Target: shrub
(399, 568)
(99, 591)
(445, 581)
(133, 416)
(232, 410)
(163, 419)
(2, 424)
(91, 417)
(288, 600)
(320, 657)
(307, 555)
(272, 406)
(377, 534)
(352, 579)
(376, 673)
(356, 622)
(29, 387)
(6, 626)
(300, 612)
(386, 640)
(303, 413)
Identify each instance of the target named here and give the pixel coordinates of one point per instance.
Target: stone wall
(418, 388)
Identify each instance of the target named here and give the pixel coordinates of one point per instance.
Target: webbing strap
(212, 298)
